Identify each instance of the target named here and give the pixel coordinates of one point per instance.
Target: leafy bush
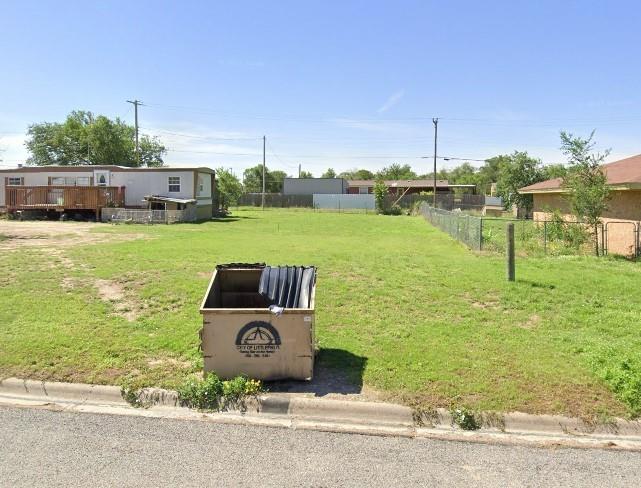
(465, 418)
(394, 210)
(201, 394)
(213, 394)
(380, 192)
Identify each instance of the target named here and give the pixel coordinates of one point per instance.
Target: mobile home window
(15, 181)
(83, 181)
(57, 181)
(174, 184)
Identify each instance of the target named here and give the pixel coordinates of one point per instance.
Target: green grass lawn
(433, 323)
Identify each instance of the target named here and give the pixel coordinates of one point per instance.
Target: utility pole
(135, 103)
(435, 121)
(299, 169)
(263, 195)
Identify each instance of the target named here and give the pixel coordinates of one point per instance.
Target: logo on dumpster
(258, 339)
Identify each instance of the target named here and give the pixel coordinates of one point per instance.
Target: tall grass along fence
(541, 237)
(464, 228)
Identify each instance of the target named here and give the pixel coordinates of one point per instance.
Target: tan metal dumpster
(241, 335)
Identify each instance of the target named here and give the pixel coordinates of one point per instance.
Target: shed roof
(624, 174)
(162, 198)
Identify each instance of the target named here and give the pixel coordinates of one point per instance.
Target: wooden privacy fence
(143, 216)
(63, 197)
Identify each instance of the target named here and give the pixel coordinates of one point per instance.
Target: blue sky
(339, 84)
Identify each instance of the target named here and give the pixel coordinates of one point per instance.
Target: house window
(363, 190)
(15, 181)
(57, 181)
(83, 181)
(174, 184)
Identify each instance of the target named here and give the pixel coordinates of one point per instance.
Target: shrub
(394, 210)
(380, 192)
(202, 394)
(214, 394)
(465, 418)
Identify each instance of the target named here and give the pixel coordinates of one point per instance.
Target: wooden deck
(63, 198)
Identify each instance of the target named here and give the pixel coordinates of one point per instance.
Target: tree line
(88, 139)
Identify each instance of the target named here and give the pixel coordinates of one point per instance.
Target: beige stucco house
(622, 218)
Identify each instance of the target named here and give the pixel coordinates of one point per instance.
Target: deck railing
(63, 197)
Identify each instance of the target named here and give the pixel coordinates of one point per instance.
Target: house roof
(401, 183)
(113, 168)
(624, 174)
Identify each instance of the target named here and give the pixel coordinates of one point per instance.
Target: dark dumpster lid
(287, 286)
(241, 266)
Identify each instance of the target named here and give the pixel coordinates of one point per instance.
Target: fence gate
(621, 237)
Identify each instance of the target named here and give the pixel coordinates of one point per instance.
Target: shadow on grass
(223, 220)
(536, 284)
(335, 371)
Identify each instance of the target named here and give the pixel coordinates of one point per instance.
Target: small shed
(160, 202)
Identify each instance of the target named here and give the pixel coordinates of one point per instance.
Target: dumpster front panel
(261, 345)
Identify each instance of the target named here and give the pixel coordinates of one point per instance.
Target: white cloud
(391, 101)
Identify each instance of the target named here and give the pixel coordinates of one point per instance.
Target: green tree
(253, 180)
(396, 172)
(87, 139)
(228, 187)
(306, 174)
(516, 171)
(330, 173)
(380, 193)
(489, 173)
(357, 174)
(554, 171)
(151, 151)
(275, 181)
(586, 182)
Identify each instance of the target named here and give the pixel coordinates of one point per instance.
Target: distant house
(624, 208)
(88, 189)
(311, 186)
(398, 187)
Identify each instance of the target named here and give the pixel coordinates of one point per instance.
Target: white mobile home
(91, 188)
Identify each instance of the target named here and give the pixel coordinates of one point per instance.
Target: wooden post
(510, 251)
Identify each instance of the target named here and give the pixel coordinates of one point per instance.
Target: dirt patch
(110, 291)
(52, 235)
(168, 362)
(531, 323)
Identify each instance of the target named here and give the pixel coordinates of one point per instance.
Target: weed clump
(212, 393)
(465, 418)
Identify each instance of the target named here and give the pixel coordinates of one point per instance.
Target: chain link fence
(556, 237)
(464, 228)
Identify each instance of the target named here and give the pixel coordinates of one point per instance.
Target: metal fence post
(481, 235)
(545, 237)
(510, 251)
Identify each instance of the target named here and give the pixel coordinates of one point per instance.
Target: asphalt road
(46, 448)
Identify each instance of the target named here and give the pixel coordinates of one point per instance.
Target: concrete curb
(289, 411)
(66, 391)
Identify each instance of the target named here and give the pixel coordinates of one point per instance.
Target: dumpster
(258, 320)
